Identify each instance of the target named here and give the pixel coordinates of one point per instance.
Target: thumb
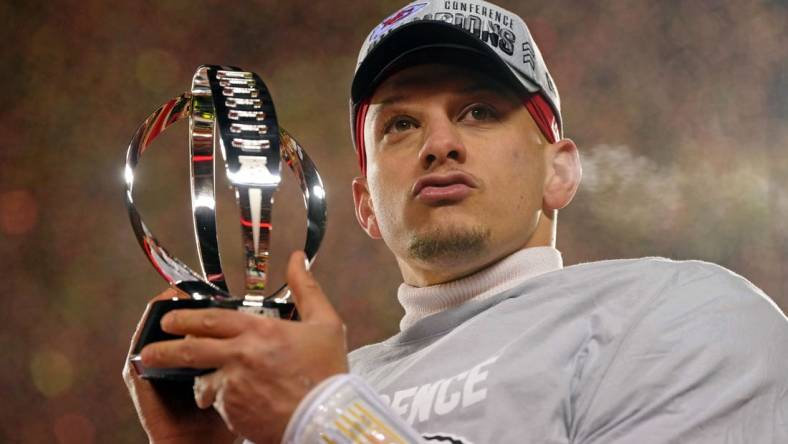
(310, 300)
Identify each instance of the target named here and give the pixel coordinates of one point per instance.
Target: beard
(448, 244)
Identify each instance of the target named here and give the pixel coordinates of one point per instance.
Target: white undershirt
(505, 274)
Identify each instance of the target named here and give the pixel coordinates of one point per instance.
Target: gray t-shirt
(646, 350)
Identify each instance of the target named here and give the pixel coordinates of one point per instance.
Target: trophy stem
(256, 208)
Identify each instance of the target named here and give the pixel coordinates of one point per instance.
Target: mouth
(444, 188)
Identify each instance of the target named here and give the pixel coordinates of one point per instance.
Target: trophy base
(152, 332)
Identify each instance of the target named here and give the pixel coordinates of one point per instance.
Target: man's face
(455, 169)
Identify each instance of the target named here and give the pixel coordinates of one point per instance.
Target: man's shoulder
(651, 288)
(674, 296)
(651, 265)
(665, 274)
(677, 336)
(705, 339)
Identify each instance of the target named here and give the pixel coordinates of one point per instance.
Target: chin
(449, 243)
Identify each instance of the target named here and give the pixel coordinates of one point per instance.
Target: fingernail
(146, 356)
(168, 319)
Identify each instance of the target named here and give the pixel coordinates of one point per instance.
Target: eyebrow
(475, 86)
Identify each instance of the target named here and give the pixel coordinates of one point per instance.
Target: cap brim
(405, 46)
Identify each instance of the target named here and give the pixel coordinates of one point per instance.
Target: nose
(442, 144)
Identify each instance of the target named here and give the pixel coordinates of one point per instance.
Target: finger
(211, 322)
(312, 304)
(205, 388)
(189, 352)
(169, 293)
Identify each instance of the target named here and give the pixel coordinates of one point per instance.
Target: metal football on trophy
(232, 108)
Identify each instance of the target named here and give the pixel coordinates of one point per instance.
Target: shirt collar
(420, 302)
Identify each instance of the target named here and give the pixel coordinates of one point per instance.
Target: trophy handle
(168, 266)
(312, 189)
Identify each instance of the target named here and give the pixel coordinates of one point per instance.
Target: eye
(399, 124)
(480, 113)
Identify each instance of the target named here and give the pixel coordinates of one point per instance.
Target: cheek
(522, 175)
(384, 191)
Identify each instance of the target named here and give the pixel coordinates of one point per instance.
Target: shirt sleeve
(707, 362)
(344, 410)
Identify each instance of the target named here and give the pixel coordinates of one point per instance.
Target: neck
(420, 302)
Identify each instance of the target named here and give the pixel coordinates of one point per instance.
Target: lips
(439, 188)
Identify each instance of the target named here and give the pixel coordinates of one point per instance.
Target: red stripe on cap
(543, 115)
(361, 117)
(536, 104)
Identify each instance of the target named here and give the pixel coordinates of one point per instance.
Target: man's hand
(166, 415)
(265, 366)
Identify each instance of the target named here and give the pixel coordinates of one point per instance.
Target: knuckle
(234, 386)
(209, 321)
(187, 351)
(244, 357)
(264, 326)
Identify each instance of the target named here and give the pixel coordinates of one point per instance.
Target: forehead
(426, 78)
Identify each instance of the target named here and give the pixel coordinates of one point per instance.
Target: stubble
(443, 244)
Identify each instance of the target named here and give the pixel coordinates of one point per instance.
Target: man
(457, 125)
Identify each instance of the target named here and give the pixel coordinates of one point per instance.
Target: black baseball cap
(472, 33)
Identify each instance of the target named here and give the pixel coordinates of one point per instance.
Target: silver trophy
(234, 108)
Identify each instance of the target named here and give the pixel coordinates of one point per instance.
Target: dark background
(679, 108)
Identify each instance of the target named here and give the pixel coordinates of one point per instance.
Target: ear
(365, 212)
(562, 174)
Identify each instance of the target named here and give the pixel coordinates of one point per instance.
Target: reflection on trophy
(231, 108)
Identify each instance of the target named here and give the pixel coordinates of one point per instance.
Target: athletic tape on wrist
(343, 410)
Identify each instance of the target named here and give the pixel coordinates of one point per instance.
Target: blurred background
(679, 108)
